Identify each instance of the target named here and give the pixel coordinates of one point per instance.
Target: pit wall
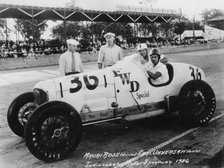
(47, 60)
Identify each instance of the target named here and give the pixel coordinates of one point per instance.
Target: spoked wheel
(19, 112)
(25, 112)
(53, 132)
(197, 103)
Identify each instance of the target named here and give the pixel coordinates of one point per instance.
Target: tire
(197, 103)
(53, 131)
(19, 112)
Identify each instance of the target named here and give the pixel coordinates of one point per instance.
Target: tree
(97, 29)
(3, 25)
(212, 13)
(179, 27)
(166, 29)
(87, 31)
(31, 29)
(196, 24)
(151, 28)
(123, 29)
(72, 29)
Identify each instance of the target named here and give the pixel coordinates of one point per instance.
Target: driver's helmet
(155, 51)
(141, 46)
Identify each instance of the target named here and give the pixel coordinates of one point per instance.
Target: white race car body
(124, 87)
(51, 117)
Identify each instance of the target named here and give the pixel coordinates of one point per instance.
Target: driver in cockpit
(156, 70)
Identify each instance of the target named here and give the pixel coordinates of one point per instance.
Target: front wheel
(19, 112)
(53, 131)
(197, 103)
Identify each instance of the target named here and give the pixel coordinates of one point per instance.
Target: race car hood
(47, 86)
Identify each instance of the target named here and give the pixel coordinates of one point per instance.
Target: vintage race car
(51, 116)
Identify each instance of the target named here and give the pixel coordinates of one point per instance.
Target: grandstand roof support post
(194, 31)
(87, 26)
(64, 30)
(32, 30)
(134, 30)
(32, 26)
(179, 22)
(144, 31)
(33, 40)
(115, 27)
(91, 30)
(17, 31)
(141, 30)
(137, 29)
(6, 30)
(64, 26)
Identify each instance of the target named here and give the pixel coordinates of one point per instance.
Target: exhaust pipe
(145, 115)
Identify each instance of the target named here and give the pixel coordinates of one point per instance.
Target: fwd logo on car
(125, 79)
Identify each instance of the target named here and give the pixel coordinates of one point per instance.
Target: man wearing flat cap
(70, 61)
(109, 53)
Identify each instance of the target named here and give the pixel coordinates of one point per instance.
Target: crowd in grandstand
(28, 48)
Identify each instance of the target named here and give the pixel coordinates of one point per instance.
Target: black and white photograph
(111, 84)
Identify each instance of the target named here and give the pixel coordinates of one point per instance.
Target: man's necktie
(73, 63)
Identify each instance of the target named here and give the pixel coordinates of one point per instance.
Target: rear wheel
(19, 112)
(53, 132)
(197, 103)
